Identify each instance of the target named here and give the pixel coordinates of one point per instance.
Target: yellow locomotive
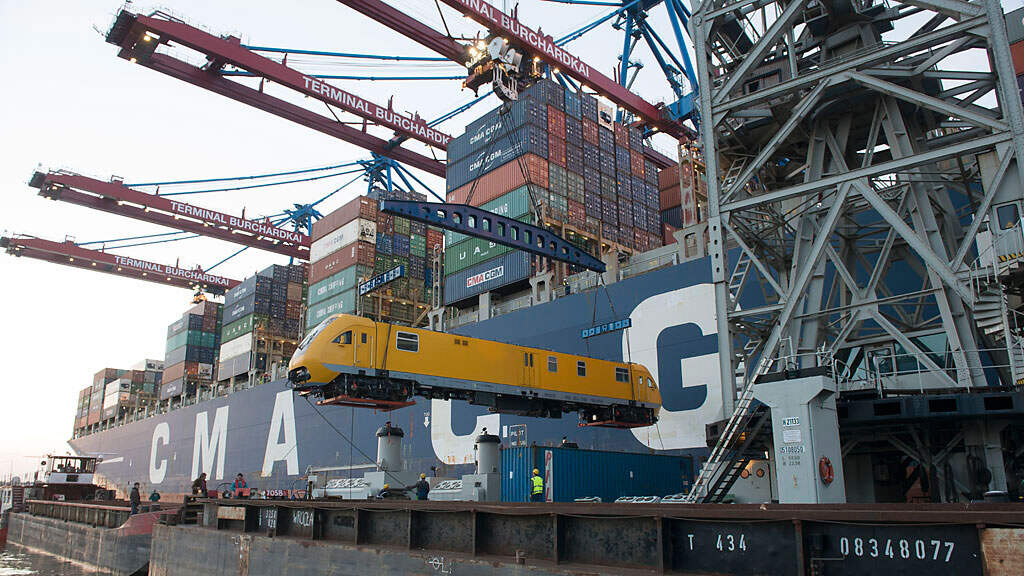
(354, 361)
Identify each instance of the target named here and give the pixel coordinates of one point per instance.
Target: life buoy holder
(825, 470)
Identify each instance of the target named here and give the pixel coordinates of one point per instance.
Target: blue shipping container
(247, 288)
(501, 271)
(528, 139)
(494, 125)
(571, 473)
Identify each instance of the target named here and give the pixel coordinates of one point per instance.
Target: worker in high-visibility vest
(536, 487)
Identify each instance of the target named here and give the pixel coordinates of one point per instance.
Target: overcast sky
(69, 102)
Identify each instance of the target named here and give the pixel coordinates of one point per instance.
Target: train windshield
(313, 333)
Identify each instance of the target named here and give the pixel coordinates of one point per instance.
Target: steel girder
(844, 165)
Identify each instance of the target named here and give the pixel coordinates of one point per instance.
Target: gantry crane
(70, 254)
(116, 198)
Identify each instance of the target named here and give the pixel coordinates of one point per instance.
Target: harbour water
(16, 561)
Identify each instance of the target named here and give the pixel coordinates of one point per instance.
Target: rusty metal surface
(823, 540)
(450, 531)
(1006, 514)
(1002, 551)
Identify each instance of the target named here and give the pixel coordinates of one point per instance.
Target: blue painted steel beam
(480, 223)
(345, 54)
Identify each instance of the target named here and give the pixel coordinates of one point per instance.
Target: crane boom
(196, 76)
(140, 39)
(116, 198)
(445, 46)
(544, 47)
(70, 254)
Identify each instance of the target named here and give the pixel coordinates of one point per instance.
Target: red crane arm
(147, 31)
(70, 254)
(409, 27)
(116, 198)
(241, 93)
(544, 47)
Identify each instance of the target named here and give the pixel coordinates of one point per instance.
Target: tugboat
(66, 478)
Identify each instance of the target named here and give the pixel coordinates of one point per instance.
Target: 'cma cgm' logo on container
(485, 276)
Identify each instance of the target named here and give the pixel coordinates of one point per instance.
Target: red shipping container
(577, 214)
(361, 207)
(556, 122)
(621, 135)
(179, 370)
(591, 132)
(636, 163)
(502, 180)
(209, 323)
(668, 177)
(666, 233)
(435, 238)
(358, 252)
(556, 150)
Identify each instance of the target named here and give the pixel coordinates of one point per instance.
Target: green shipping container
(401, 226)
(417, 245)
(470, 253)
(515, 204)
(344, 303)
(188, 337)
(333, 285)
(237, 328)
(208, 340)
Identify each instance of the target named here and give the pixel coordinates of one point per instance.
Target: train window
(344, 338)
(407, 341)
(526, 358)
(621, 375)
(1008, 216)
(552, 364)
(581, 368)
(363, 337)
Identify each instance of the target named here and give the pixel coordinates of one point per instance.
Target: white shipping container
(358, 229)
(236, 347)
(206, 371)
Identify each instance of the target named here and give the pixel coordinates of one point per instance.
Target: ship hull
(272, 435)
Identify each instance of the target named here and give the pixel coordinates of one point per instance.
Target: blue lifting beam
(480, 223)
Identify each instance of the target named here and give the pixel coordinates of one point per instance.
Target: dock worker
(154, 500)
(422, 487)
(239, 484)
(385, 491)
(536, 487)
(134, 499)
(199, 486)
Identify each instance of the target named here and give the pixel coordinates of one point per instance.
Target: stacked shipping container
(586, 175)
(191, 350)
(116, 392)
(357, 242)
(262, 322)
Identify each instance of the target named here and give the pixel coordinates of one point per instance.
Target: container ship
(272, 436)
(219, 402)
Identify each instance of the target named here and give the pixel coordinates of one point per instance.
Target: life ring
(825, 470)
